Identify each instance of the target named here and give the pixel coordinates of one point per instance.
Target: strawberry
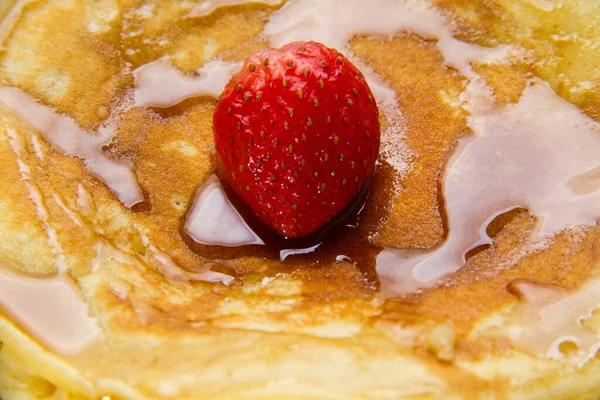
(297, 133)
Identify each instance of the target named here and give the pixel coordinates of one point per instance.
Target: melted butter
(522, 155)
(50, 310)
(548, 316)
(75, 141)
(208, 6)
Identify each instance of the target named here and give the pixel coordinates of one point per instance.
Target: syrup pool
(219, 226)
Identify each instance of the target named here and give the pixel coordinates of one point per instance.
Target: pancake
(472, 271)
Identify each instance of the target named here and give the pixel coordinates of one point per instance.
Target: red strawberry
(297, 132)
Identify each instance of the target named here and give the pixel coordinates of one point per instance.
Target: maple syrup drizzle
(160, 84)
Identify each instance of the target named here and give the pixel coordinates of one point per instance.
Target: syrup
(241, 234)
(481, 183)
(334, 23)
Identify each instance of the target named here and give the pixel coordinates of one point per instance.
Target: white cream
(75, 141)
(212, 220)
(160, 84)
(51, 310)
(522, 155)
(206, 7)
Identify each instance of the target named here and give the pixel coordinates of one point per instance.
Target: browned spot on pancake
(425, 89)
(333, 282)
(506, 81)
(188, 41)
(497, 224)
(58, 55)
(243, 50)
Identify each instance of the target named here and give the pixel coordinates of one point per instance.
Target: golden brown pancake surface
(170, 318)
